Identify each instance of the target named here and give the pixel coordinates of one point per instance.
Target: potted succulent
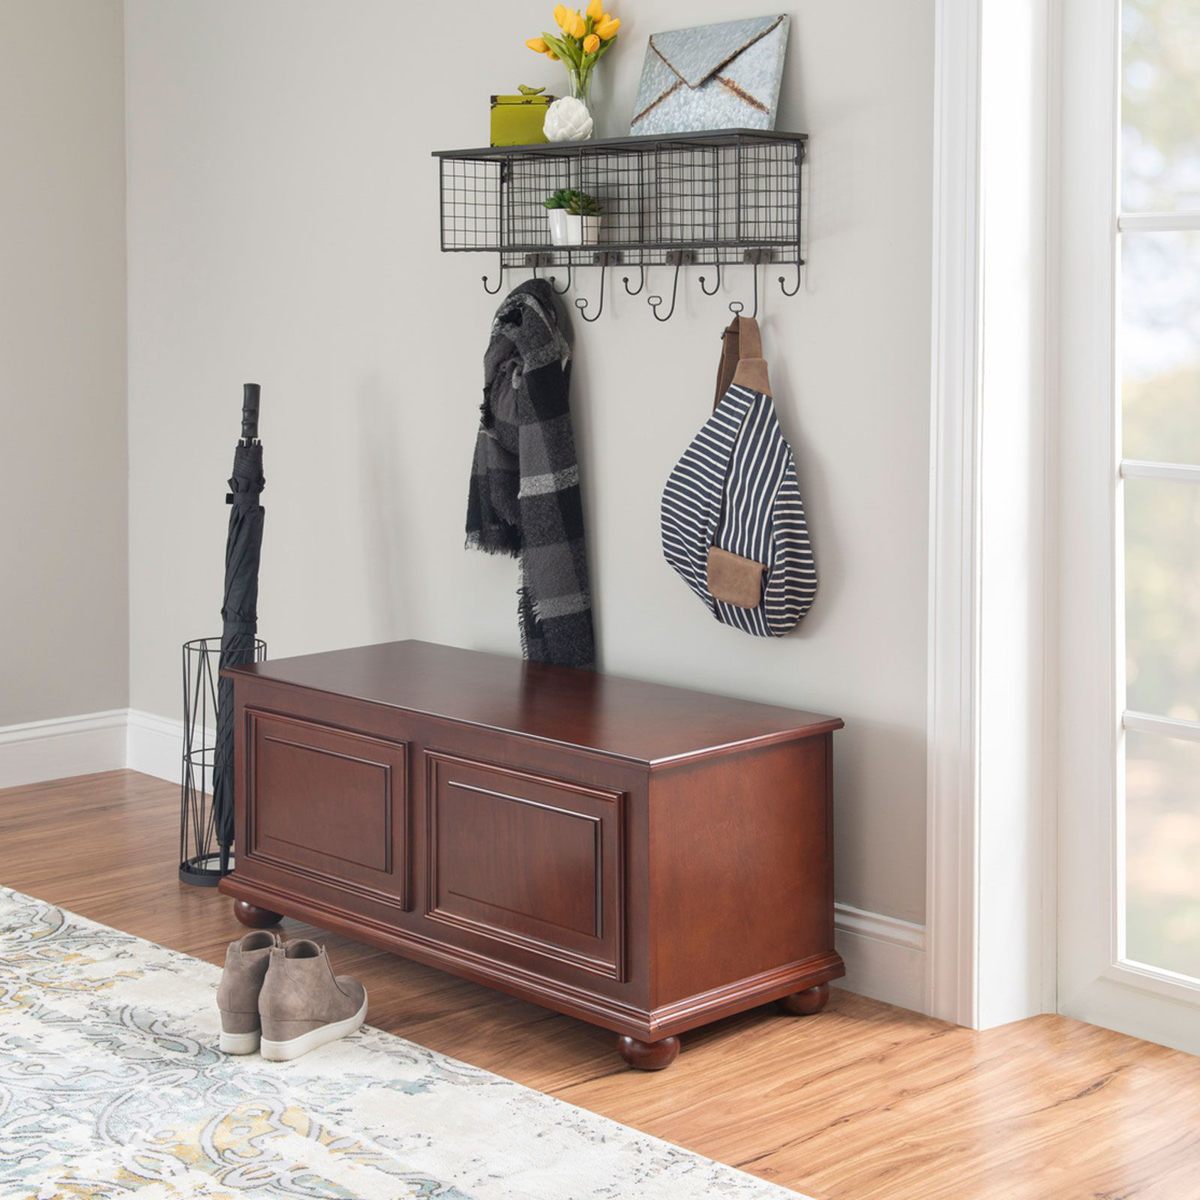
(583, 220)
(556, 205)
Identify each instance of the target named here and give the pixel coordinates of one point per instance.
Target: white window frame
(1095, 981)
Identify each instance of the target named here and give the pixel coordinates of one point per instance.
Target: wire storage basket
(199, 853)
(711, 195)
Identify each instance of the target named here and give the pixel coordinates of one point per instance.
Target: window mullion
(1180, 222)
(1132, 468)
(1172, 727)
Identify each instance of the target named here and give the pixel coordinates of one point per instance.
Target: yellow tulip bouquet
(583, 40)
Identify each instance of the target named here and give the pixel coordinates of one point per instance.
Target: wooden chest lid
(640, 722)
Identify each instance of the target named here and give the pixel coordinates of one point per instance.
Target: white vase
(558, 218)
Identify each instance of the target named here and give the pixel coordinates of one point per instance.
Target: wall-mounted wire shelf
(720, 198)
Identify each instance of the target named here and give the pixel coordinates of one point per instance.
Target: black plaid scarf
(524, 498)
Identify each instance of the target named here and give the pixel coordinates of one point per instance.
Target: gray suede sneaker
(246, 963)
(303, 1005)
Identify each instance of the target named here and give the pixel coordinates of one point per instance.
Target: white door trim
(951, 913)
(989, 900)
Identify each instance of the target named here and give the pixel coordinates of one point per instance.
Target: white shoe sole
(297, 1046)
(240, 1043)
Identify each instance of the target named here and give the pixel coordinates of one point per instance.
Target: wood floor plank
(863, 1102)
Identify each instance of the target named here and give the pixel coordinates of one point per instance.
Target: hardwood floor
(862, 1102)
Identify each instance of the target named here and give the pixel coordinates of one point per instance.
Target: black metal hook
(499, 281)
(782, 286)
(581, 303)
(737, 307)
(715, 289)
(655, 301)
(534, 260)
(641, 280)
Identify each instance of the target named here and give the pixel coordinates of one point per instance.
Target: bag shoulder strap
(741, 359)
(728, 363)
(749, 337)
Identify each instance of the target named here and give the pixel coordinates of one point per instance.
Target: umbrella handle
(250, 411)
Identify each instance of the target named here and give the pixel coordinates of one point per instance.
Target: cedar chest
(642, 857)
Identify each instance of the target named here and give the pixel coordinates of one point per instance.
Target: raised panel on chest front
(527, 860)
(329, 805)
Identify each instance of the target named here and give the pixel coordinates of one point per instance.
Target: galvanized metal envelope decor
(722, 76)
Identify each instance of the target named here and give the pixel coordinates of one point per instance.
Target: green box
(517, 120)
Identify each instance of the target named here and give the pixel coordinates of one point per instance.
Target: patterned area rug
(111, 1083)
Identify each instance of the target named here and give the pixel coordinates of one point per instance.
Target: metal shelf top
(618, 145)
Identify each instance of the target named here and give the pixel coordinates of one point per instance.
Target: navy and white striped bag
(732, 519)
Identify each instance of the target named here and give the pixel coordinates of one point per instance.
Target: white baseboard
(60, 748)
(154, 745)
(885, 957)
(105, 741)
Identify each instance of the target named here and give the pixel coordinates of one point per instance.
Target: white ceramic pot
(558, 218)
(581, 231)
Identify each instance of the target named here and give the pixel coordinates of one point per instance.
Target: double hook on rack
(535, 262)
(736, 306)
(677, 258)
(602, 260)
(682, 257)
(550, 279)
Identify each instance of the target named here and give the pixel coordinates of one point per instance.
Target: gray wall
(283, 228)
(63, 564)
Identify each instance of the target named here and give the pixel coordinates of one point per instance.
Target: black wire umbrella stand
(199, 850)
(206, 825)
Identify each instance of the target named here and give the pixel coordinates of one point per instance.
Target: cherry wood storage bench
(641, 857)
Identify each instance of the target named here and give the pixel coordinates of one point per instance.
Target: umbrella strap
(242, 499)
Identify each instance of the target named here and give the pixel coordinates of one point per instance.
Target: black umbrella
(243, 548)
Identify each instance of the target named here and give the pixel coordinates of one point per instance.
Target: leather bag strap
(742, 340)
(728, 363)
(750, 338)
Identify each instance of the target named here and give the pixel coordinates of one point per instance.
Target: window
(1158, 356)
